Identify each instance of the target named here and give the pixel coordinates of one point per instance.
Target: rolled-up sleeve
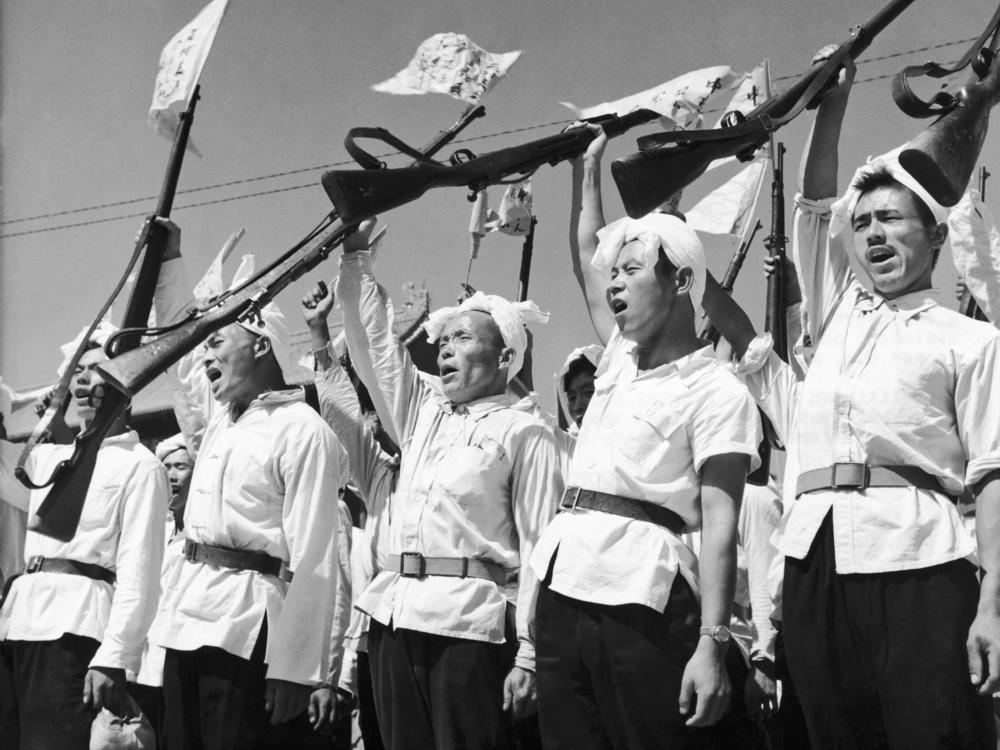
(137, 568)
(536, 488)
(977, 406)
(313, 469)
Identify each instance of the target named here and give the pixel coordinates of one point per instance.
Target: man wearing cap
(664, 447)
(891, 640)
(76, 618)
(173, 452)
(249, 620)
(479, 479)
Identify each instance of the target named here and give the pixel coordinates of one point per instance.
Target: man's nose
(875, 234)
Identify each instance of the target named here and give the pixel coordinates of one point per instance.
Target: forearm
(319, 339)
(586, 219)
(988, 539)
(820, 161)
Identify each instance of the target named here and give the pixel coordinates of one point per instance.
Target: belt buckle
(34, 564)
(407, 571)
(849, 476)
(576, 498)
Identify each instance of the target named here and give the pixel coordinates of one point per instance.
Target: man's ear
(261, 347)
(939, 234)
(506, 357)
(683, 280)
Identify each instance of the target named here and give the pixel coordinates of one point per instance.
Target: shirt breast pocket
(644, 435)
(473, 474)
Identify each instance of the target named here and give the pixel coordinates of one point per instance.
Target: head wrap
(679, 242)
(105, 330)
(842, 211)
(510, 317)
(592, 354)
(271, 325)
(168, 445)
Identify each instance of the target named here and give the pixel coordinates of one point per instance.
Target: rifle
(709, 331)
(967, 306)
(58, 515)
(667, 162)
(774, 316)
(360, 193)
(134, 370)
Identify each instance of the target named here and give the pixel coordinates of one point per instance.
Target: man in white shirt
(249, 620)
(664, 448)
(76, 618)
(891, 639)
(479, 479)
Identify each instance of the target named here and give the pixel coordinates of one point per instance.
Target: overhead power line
(315, 168)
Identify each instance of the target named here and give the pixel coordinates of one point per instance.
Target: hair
(579, 366)
(882, 178)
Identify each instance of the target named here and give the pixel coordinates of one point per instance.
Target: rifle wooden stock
(673, 160)
(357, 193)
(134, 370)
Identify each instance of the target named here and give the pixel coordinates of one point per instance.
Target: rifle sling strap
(368, 161)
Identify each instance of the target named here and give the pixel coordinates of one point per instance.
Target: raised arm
(585, 219)
(818, 168)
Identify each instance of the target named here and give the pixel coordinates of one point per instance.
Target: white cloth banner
(211, 284)
(729, 209)
(514, 214)
(181, 63)
(680, 101)
(753, 89)
(450, 64)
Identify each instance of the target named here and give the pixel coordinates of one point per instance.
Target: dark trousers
(371, 736)
(433, 692)
(610, 676)
(41, 694)
(879, 660)
(215, 701)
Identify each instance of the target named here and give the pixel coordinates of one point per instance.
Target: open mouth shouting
(879, 255)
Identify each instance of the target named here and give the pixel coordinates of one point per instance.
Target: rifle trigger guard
(983, 61)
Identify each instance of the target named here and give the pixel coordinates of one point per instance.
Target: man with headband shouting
(479, 479)
(626, 657)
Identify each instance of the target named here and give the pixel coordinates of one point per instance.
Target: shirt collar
(480, 407)
(270, 399)
(907, 305)
(129, 436)
(688, 367)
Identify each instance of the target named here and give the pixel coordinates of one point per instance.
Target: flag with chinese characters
(181, 63)
(514, 215)
(680, 102)
(450, 64)
(749, 91)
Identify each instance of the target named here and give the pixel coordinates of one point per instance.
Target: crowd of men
(474, 575)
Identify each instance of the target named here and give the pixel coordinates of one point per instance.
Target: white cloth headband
(510, 317)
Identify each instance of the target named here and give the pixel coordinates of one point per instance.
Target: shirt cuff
(980, 467)
(756, 355)
(360, 260)
(112, 655)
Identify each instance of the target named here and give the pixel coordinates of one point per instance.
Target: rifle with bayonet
(667, 162)
(708, 331)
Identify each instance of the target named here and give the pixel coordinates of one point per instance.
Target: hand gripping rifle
(667, 162)
(59, 513)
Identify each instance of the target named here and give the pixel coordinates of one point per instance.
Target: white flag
(450, 64)
(181, 63)
(680, 101)
(514, 214)
(750, 90)
(211, 284)
(730, 208)
(477, 221)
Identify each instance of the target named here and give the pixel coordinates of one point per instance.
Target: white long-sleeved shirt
(892, 382)
(120, 529)
(645, 436)
(478, 480)
(267, 481)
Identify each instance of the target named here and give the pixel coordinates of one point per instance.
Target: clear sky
(287, 80)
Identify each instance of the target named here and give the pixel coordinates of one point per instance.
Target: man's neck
(678, 339)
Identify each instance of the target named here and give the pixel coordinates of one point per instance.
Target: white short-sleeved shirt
(646, 436)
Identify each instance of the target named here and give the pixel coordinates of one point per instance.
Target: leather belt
(858, 476)
(640, 510)
(39, 564)
(416, 565)
(227, 557)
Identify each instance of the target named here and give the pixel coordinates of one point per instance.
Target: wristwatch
(718, 633)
